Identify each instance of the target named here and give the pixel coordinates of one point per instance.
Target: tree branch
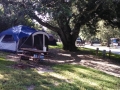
(85, 17)
(34, 16)
(98, 3)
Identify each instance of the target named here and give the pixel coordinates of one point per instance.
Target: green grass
(59, 45)
(113, 57)
(63, 77)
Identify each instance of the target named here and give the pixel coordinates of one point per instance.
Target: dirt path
(57, 56)
(101, 64)
(105, 65)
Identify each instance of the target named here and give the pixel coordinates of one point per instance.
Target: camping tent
(21, 36)
(52, 40)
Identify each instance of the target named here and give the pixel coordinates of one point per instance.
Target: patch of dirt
(105, 65)
(41, 67)
(102, 65)
(13, 57)
(57, 56)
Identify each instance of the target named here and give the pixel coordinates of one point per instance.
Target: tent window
(24, 39)
(0, 37)
(8, 38)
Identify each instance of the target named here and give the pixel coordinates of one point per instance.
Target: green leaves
(62, 16)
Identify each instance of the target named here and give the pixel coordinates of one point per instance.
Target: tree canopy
(65, 17)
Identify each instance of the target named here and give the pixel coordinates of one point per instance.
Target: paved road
(101, 48)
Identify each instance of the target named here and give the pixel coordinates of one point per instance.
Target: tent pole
(17, 43)
(32, 40)
(23, 42)
(43, 40)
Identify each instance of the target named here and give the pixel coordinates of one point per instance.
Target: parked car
(79, 42)
(114, 42)
(95, 43)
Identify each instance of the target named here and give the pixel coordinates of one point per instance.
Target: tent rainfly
(21, 36)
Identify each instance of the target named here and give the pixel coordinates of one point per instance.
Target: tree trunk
(69, 46)
(68, 41)
(108, 41)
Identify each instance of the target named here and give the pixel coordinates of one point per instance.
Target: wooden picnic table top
(34, 50)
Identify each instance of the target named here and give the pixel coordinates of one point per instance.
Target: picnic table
(33, 54)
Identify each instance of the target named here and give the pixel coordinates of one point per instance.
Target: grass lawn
(63, 77)
(113, 57)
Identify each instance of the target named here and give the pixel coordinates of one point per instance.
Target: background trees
(104, 32)
(12, 14)
(65, 17)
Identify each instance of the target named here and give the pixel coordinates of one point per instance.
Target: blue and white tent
(19, 36)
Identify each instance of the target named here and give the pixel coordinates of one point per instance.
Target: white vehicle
(115, 41)
(79, 42)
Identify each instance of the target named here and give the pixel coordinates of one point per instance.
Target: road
(101, 48)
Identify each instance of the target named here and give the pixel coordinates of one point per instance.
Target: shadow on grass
(74, 77)
(17, 79)
(88, 78)
(64, 77)
(61, 56)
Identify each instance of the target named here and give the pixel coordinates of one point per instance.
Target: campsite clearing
(58, 56)
(58, 72)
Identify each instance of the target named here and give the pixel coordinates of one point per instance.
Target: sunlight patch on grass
(45, 87)
(66, 55)
(1, 76)
(59, 45)
(1, 58)
(79, 75)
(57, 76)
(88, 77)
(63, 77)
